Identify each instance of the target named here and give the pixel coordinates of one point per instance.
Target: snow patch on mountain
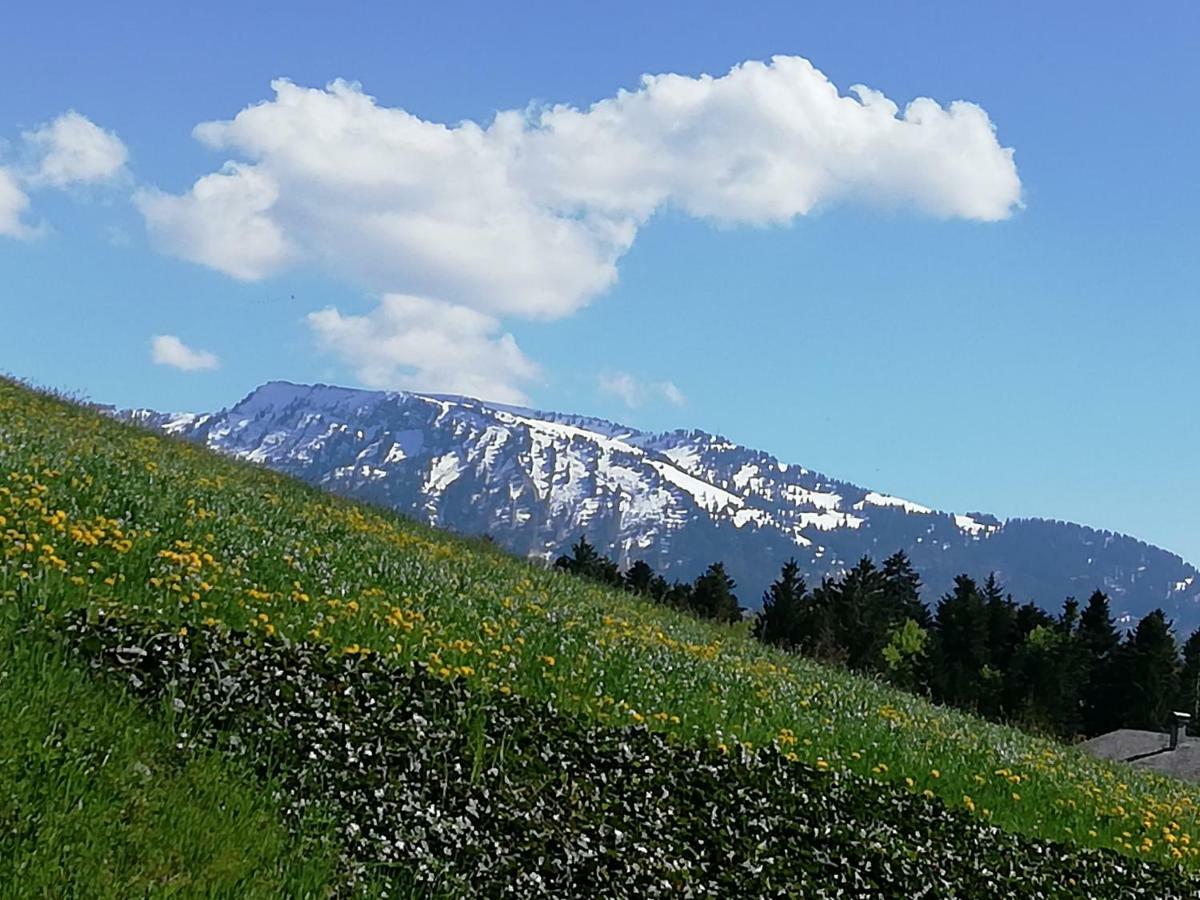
(444, 471)
(710, 497)
(874, 499)
(972, 526)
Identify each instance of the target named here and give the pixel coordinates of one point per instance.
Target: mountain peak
(536, 480)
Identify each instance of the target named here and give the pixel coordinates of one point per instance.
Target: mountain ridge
(535, 481)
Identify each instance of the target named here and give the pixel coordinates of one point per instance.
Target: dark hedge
(473, 795)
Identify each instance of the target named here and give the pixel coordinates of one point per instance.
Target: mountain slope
(535, 481)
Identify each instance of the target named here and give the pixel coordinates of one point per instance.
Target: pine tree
(818, 636)
(639, 577)
(1001, 611)
(1062, 687)
(779, 621)
(608, 572)
(1051, 663)
(1035, 659)
(1100, 641)
(658, 588)
(713, 597)
(1153, 673)
(861, 617)
(960, 645)
(1027, 618)
(902, 590)
(585, 560)
(679, 596)
(1069, 617)
(581, 560)
(1030, 616)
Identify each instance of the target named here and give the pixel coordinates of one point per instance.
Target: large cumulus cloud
(528, 215)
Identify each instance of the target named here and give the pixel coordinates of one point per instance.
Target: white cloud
(168, 350)
(529, 215)
(766, 143)
(13, 202)
(74, 150)
(67, 151)
(222, 222)
(671, 393)
(633, 392)
(621, 385)
(414, 343)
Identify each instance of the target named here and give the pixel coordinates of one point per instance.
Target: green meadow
(104, 520)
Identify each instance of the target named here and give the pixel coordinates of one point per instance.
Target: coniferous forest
(1071, 674)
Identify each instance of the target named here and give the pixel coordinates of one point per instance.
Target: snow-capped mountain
(536, 481)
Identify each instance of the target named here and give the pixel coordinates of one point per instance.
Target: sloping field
(113, 538)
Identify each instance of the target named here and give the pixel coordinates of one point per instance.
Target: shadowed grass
(96, 802)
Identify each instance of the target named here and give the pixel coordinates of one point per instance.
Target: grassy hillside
(99, 516)
(94, 794)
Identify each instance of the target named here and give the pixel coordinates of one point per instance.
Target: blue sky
(910, 329)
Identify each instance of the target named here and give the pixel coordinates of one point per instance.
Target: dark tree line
(710, 596)
(977, 648)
